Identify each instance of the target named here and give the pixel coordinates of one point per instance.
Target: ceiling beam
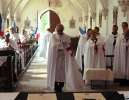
(17, 5)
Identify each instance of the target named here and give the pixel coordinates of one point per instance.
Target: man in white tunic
(110, 46)
(98, 34)
(80, 49)
(44, 43)
(121, 59)
(62, 68)
(94, 53)
(14, 35)
(23, 37)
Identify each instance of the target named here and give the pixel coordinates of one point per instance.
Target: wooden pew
(8, 67)
(11, 71)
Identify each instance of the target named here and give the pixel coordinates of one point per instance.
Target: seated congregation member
(62, 67)
(11, 43)
(14, 34)
(23, 36)
(23, 40)
(121, 59)
(2, 40)
(2, 45)
(110, 45)
(94, 53)
(80, 49)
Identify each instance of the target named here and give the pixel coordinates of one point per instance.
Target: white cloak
(80, 50)
(44, 44)
(73, 79)
(109, 48)
(92, 59)
(121, 59)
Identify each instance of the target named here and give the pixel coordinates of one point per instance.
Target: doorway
(48, 19)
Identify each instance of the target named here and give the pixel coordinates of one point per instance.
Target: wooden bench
(98, 74)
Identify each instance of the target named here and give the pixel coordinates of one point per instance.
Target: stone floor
(35, 79)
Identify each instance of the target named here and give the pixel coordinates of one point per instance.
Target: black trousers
(59, 86)
(82, 71)
(123, 82)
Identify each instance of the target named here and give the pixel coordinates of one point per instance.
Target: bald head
(125, 27)
(96, 29)
(60, 29)
(93, 34)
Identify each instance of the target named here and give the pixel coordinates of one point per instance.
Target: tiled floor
(114, 95)
(35, 79)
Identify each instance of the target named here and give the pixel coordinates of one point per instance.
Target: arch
(52, 15)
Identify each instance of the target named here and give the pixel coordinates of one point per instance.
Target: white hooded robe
(44, 44)
(80, 50)
(93, 59)
(109, 48)
(61, 66)
(121, 59)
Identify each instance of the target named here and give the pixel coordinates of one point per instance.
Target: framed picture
(8, 22)
(100, 19)
(115, 15)
(72, 23)
(90, 22)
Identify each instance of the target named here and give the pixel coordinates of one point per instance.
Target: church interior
(27, 28)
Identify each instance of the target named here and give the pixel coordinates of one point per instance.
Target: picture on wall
(8, 23)
(115, 15)
(100, 19)
(72, 23)
(90, 22)
(27, 23)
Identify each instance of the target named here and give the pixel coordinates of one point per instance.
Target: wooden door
(54, 20)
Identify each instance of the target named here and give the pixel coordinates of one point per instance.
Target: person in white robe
(94, 53)
(62, 67)
(14, 35)
(23, 40)
(98, 34)
(23, 37)
(110, 46)
(2, 40)
(121, 59)
(12, 44)
(44, 44)
(3, 59)
(80, 49)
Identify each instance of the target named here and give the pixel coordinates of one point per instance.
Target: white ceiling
(83, 5)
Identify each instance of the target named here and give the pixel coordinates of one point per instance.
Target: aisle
(35, 79)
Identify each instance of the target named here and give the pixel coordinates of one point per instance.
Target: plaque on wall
(90, 22)
(27, 23)
(100, 19)
(72, 23)
(115, 15)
